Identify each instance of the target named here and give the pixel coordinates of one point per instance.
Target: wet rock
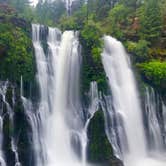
(99, 149)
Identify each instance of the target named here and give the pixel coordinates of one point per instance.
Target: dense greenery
(16, 53)
(155, 73)
(139, 50)
(90, 38)
(139, 24)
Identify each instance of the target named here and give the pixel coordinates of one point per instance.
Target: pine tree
(151, 22)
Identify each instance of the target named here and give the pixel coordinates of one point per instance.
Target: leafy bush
(139, 50)
(155, 73)
(16, 54)
(92, 47)
(91, 34)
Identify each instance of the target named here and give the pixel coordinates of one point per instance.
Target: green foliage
(20, 5)
(74, 22)
(91, 33)
(68, 23)
(118, 18)
(151, 21)
(90, 37)
(99, 8)
(49, 13)
(132, 3)
(99, 148)
(155, 73)
(138, 49)
(16, 57)
(96, 52)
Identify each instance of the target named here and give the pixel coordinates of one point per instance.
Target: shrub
(155, 73)
(139, 50)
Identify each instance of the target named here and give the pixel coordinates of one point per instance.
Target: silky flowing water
(126, 103)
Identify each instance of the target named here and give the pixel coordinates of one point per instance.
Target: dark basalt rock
(19, 22)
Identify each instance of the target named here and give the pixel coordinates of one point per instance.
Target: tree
(20, 5)
(132, 3)
(151, 22)
(118, 18)
(50, 12)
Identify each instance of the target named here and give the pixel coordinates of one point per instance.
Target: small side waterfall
(152, 107)
(2, 93)
(125, 130)
(10, 113)
(164, 121)
(93, 107)
(113, 125)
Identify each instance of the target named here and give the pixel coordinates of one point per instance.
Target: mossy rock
(99, 148)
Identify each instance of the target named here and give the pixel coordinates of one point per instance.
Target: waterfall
(2, 93)
(10, 112)
(164, 121)
(59, 124)
(127, 109)
(93, 107)
(152, 108)
(113, 125)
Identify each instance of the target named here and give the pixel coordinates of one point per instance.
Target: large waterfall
(128, 113)
(59, 125)
(53, 130)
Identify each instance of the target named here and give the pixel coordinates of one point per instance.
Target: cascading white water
(93, 107)
(10, 111)
(2, 93)
(39, 120)
(164, 121)
(65, 119)
(113, 126)
(58, 124)
(68, 3)
(152, 108)
(126, 105)
(122, 84)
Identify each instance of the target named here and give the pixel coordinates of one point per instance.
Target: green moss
(99, 149)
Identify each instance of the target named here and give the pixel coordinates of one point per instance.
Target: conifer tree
(151, 22)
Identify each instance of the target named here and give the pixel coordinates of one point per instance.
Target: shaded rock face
(9, 15)
(99, 149)
(20, 22)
